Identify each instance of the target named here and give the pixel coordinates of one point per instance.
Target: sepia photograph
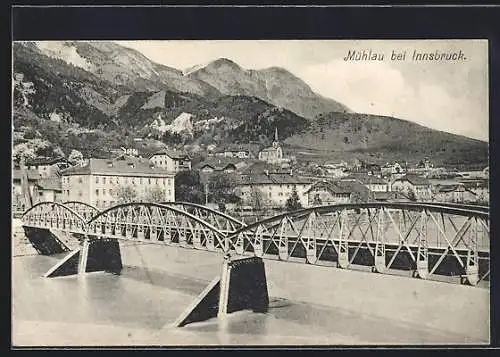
(250, 193)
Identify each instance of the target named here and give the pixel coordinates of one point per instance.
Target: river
(137, 306)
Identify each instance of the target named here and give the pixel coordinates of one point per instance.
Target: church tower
(276, 143)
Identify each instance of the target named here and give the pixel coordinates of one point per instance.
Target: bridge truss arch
(157, 224)
(86, 210)
(221, 220)
(54, 215)
(428, 239)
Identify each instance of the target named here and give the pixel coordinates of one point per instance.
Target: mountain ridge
(68, 105)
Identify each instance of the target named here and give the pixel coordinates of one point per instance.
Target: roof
(365, 179)
(235, 147)
(389, 195)
(174, 154)
(340, 187)
(50, 183)
(259, 167)
(45, 161)
(117, 167)
(220, 163)
(452, 188)
(269, 149)
(33, 175)
(272, 178)
(414, 180)
(475, 183)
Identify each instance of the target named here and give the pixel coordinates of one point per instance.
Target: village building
(48, 189)
(390, 196)
(413, 186)
(237, 151)
(97, 181)
(18, 199)
(48, 167)
(457, 193)
(171, 160)
(372, 182)
(275, 188)
(335, 170)
(480, 187)
(274, 153)
(390, 169)
(326, 192)
(221, 165)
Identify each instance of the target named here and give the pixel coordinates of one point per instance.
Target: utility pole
(206, 194)
(25, 184)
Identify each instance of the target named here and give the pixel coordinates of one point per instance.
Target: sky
(445, 95)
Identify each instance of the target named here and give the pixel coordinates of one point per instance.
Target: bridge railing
(427, 238)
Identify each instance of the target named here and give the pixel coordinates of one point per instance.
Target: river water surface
(137, 307)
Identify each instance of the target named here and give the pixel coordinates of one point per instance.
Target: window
(97, 192)
(97, 202)
(149, 181)
(97, 179)
(80, 180)
(80, 193)
(140, 180)
(110, 192)
(104, 180)
(104, 191)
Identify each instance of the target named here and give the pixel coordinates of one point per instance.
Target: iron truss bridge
(422, 240)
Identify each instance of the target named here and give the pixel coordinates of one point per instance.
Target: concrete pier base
(44, 241)
(92, 256)
(241, 286)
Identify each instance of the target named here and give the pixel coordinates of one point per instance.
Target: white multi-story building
(98, 180)
(275, 188)
(173, 161)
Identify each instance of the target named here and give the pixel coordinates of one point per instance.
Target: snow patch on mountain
(63, 51)
(181, 123)
(194, 68)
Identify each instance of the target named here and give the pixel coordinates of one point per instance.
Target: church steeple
(276, 142)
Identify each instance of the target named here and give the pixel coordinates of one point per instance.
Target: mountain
(125, 67)
(96, 97)
(379, 139)
(274, 85)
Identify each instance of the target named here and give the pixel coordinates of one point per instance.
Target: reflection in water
(149, 299)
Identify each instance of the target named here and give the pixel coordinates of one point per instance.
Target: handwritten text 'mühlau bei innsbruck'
(404, 55)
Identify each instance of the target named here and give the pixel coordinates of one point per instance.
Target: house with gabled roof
(171, 160)
(329, 192)
(275, 188)
(413, 186)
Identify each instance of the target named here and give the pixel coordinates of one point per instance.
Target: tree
(125, 194)
(293, 202)
(361, 196)
(154, 195)
(221, 189)
(256, 199)
(411, 195)
(75, 157)
(188, 187)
